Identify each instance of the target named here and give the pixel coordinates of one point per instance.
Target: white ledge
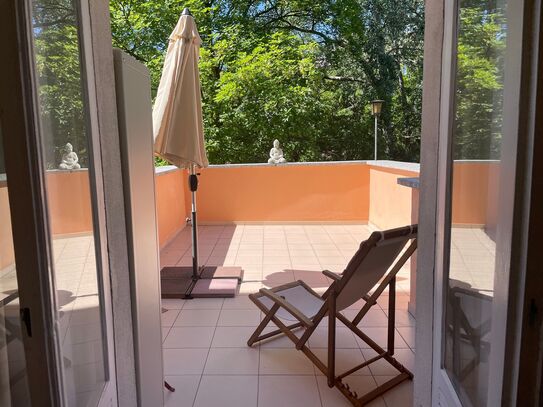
(415, 167)
(397, 165)
(165, 169)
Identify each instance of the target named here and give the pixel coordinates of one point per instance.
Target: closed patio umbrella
(179, 139)
(177, 112)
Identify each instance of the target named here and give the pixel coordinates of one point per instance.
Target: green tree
(60, 87)
(300, 71)
(481, 46)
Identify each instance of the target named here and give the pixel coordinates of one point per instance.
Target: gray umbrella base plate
(215, 288)
(214, 282)
(222, 272)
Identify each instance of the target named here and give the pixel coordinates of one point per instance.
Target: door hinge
(25, 319)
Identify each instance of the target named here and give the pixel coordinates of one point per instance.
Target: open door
(55, 275)
(477, 185)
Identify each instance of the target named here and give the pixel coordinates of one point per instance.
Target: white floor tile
(380, 336)
(238, 391)
(346, 359)
(291, 391)
(239, 317)
(184, 361)
(189, 337)
(231, 336)
(169, 317)
(185, 390)
(172, 303)
(344, 338)
(332, 397)
(238, 302)
(204, 303)
(197, 317)
(382, 368)
(284, 362)
(165, 331)
(408, 335)
(234, 361)
(401, 395)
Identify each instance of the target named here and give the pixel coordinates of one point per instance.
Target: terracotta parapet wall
(304, 192)
(392, 205)
(69, 202)
(170, 190)
(354, 191)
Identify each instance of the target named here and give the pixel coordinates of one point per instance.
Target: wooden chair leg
(331, 339)
(254, 337)
(391, 315)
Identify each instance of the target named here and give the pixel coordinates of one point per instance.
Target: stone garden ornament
(69, 159)
(276, 154)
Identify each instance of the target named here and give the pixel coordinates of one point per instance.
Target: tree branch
(343, 79)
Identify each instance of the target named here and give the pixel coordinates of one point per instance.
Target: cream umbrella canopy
(179, 138)
(177, 114)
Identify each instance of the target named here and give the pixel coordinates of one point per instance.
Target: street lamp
(376, 107)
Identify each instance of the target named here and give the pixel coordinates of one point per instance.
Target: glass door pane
(13, 380)
(474, 215)
(68, 173)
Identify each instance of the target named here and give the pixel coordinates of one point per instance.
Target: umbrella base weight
(222, 272)
(214, 282)
(215, 288)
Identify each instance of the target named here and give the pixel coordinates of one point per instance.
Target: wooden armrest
(286, 305)
(332, 275)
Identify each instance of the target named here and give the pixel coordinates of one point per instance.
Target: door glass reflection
(13, 379)
(477, 135)
(67, 157)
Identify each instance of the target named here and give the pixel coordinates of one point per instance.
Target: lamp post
(376, 107)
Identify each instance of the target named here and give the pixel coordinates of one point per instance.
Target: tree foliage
(479, 86)
(300, 71)
(59, 75)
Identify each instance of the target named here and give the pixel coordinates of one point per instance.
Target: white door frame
(508, 292)
(19, 116)
(109, 395)
(443, 392)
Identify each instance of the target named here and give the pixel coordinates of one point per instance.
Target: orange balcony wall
(170, 192)
(7, 256)
(69, 201)
(339, 192)
(323, 192)
(475, 190)
(391, 205)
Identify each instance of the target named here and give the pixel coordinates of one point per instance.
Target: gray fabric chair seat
(299, 297)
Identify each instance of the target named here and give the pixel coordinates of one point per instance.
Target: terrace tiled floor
(205, 353)
(79, 324)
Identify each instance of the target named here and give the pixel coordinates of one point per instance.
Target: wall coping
(415, 167)
(409, 182)
(165, 169)
(397, 165)
(55, 170)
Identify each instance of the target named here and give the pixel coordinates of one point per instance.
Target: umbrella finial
(186, 12)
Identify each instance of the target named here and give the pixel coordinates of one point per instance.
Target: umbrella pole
(193, 184)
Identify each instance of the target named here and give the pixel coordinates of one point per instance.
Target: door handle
(27, 322)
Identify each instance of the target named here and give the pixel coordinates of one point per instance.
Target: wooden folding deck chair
(377, 261)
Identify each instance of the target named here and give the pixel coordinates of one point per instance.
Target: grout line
(318, 389)
(207, 357)
(258, 373)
